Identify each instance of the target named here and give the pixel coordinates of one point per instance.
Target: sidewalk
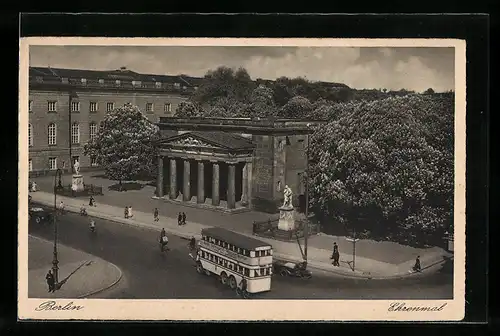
(82, 274)
(317, 257)
(140, 197)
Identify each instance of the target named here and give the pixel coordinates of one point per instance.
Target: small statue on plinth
(287, 202)
(287, 221)
(77, 184)
(76, 167)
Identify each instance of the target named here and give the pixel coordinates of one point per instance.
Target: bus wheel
(232, 282)
(223, 278)
(199, 268)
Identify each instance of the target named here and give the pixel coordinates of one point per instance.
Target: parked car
(39, 215)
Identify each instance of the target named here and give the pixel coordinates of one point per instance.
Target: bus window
(246, 271)
(257, 272)
(252, 254)
(251, 273)
(239, 250)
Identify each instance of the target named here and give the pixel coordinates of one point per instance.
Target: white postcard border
(220, 310)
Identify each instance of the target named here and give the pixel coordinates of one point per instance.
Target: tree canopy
(376, 169)
(124, 145)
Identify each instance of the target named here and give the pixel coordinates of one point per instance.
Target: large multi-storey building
(66, 107)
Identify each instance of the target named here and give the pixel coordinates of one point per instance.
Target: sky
(394, 68)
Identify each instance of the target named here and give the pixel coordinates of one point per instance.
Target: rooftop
(234, 238)
(123, 74)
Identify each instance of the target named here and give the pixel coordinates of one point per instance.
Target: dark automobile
(39, 215)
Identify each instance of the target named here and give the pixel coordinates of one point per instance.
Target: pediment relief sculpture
(192, 142)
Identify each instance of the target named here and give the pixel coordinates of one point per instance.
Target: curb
(120, 273)
(278, 255)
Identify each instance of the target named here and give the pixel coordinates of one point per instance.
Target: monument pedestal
(77, 183)
(287, 218)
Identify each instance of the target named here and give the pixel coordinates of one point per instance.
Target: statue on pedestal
(287, 192)
(286, 221)
(76, 167)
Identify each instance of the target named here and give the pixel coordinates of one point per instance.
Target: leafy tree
(262, 102)
(373, 170)
(224, 82)
(282, 91)
(429, 91)
(187, 109)
(125, 144)
(297, 107)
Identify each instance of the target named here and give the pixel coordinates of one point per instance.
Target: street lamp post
(55, 261)
(353, 240)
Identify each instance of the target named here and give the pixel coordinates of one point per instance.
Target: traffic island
(81, 275)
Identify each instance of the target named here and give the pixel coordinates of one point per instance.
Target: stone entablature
(243, 125)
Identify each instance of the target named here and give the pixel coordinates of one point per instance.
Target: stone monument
(77, 181)
(287, 212)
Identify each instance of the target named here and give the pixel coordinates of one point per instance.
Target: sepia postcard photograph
(241, 179)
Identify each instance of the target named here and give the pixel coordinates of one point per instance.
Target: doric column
(249, 183)
(244, 185)
(201, 182)
(159, 179)
(173, 179)
(215, 184)
(230, 186)
(186, 192)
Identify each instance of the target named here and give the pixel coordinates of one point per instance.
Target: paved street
(148, 274)
(140, 199)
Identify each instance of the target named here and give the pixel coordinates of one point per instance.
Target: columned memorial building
(232, 164)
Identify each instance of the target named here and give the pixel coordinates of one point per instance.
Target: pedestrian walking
(50, 281)
(163, 239)
(335, 255)
(179, 219)
(417, 267)
(61, 207)
(91, 201)
(183, 218)
(130, 215)
(126, 212)
(156, 215)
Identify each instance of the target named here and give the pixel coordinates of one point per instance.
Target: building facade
(232, 164)
(66, 107)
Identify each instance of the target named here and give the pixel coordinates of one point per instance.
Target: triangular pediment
(190, 140)
(213, 140)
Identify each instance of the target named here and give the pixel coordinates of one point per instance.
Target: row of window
(117, 82)
(52, 133)
(239, 269)
(236, 249)
(53, 162)
(94, 106)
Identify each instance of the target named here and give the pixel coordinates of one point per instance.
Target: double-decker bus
(233, 257)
